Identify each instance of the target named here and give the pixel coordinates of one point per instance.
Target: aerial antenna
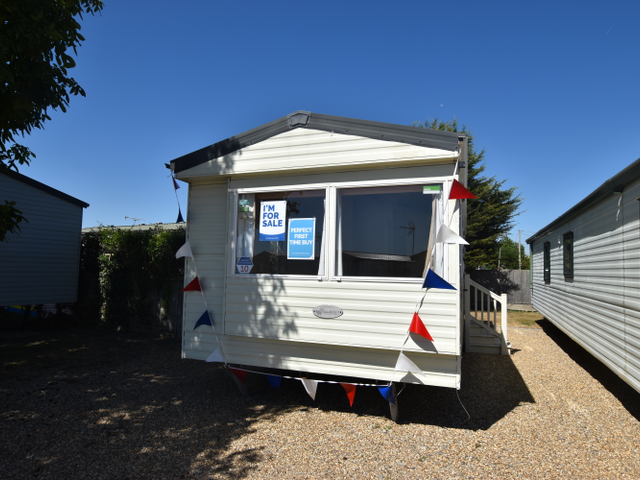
(134, 219)
(412, 231)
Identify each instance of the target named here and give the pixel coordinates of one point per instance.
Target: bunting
(205, 319)
(240, 374)
(274, 381)
(459, 191)
(194, 286)
(184, 251)
(433, 280)
(180, 219)
(446, 235)
(175, 184)
(351, 392)
(311, 386)
(387, 394)
(417, 326)
(216, 356)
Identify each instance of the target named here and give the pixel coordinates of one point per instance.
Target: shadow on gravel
(491, 388)
(629, 398)
(100, 405)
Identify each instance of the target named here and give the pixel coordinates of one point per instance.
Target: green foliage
(122, 269)
(509, 255)
(491, 215)
(35, 39)
(10, 217)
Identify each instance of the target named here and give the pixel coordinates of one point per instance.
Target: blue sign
(272, 220)
(301, 239)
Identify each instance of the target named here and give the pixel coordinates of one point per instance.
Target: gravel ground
(124, 407)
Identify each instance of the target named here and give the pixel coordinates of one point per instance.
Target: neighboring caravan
(40, 263)
(310, 237)
(586, 273)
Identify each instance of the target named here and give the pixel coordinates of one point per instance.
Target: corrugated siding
(303, 148)
(600, 306)
(207, 235)
(40, 264)
(269, 322)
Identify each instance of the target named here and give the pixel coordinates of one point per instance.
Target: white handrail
(481, 307)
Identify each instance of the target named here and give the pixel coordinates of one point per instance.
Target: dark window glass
(270, 257)
(383, 231)
(567, 255)
(547, 262)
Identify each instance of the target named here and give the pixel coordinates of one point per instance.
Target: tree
(509, 255)
(35, 39)
(491, 215)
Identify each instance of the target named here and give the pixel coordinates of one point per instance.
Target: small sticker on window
(431, 189)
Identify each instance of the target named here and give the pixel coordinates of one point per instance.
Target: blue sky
(548, 89)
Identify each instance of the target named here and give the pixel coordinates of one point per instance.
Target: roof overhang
(442, 140)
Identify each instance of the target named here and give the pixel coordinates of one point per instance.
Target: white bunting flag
(446, 235)
(404, 364)
(311, 386)
(184, 251)
(216, 356)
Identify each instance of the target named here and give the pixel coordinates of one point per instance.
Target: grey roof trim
(43, 187)
(615, 184)
(301, 119)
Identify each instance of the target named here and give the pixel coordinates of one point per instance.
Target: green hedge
(122, 270)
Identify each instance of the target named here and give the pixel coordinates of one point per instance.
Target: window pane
(383, 231)
(270, 257)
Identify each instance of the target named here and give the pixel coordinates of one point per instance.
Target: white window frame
(331, 216)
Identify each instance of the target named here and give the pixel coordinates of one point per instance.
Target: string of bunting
(404, 364)
(175, 190)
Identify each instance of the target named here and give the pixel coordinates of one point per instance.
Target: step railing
(486, 309)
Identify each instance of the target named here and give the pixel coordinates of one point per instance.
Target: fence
(515, 283)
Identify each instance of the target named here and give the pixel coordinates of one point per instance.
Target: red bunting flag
(417, 326)
(459, 191)
(240, 374)
(351, 392)
(175, 184)
(194, 286)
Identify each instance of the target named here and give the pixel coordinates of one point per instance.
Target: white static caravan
(586, 273)
(40, 263)
(339, 305)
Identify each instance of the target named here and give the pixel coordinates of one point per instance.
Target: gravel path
(126, 407)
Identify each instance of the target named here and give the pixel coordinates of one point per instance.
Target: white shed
(40, 263)
(586, 273)
(330, 291)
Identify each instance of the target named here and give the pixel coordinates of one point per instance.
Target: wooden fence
(515, 283)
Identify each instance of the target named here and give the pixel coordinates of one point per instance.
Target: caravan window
(281, 232)
(567, 255)
(384, 231)
(546, 262)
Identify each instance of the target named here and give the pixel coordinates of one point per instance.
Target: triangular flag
(240, 374)
(175, 184)
(417, 326)
(216, 356)
(194, 286)
(351, 392)
(184, 251)
(205, 319)
(446, 235)
(404, 364)
(433, 280)
(387, 394)
(311, 386)
(274, 381)
(180, 219)
(459, 191)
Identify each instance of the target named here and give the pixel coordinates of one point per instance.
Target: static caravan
(40, 263)
(310, 238)
(586, 273)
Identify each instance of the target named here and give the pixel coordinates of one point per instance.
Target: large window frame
(328, 256)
